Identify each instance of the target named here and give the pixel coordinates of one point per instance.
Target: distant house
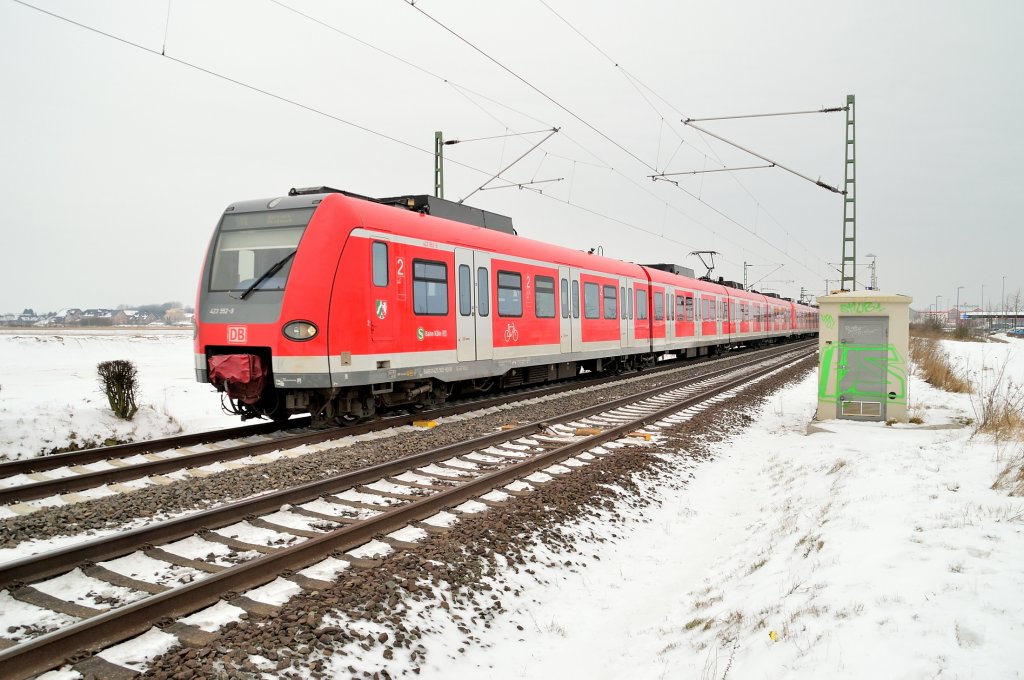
(96, 317)
(66, 317)
(132, 317)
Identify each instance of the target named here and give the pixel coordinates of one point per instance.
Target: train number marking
(237, 334)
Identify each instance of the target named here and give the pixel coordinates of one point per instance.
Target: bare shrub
(933, 363)
(119, 380)
(999, 405)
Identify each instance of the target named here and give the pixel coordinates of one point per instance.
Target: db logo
(236, 334)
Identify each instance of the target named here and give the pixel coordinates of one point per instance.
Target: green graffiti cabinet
(863, 346)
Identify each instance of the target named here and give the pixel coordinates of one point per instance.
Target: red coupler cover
(240, 375)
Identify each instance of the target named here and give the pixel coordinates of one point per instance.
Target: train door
(565, 323)
(626, 334)
(383, 289)
(472, 294)
(574, 310)
(482, 298)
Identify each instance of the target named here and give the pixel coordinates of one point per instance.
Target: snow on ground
(857, 551)
(50, 395)
(864, 551)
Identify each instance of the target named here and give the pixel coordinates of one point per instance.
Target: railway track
(69, 473)
(347, 516)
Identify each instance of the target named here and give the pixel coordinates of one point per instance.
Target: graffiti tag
(860, 307)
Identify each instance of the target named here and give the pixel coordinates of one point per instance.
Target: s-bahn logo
(237, 334)
(420, 333)
(382, 309)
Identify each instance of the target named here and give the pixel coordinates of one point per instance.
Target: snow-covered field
(50, 395)
(859, 551)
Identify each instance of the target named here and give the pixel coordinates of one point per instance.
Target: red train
(339, 305)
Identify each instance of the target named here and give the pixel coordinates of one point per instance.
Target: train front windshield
(255, 249)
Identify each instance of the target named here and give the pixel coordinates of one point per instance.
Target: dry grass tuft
(933, 363)
(999, 405)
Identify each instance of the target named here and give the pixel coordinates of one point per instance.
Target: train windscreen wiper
(275, 268)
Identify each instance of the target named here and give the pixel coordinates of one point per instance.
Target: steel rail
(51, 650)
(44, 565)
(86, 456)
(89, 480)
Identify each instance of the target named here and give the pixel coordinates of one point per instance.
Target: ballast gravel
(156, 501)
(371, 613)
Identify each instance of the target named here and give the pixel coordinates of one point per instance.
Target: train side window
(659, 305)
(483, 292)
(564, 298)
(681, 307)
(609, 301)
(629, 302)
(591, 301)
(641, 303)
(465, 290)
(725, 311)
(670, 307)
(622, 307)
(575, 299)
(544, 300)
(510, 294)
(379, 254)
(429, 288)
(689, 308)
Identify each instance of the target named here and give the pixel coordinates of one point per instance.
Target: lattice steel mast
(849, 260)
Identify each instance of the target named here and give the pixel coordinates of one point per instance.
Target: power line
(412, 3)
(363, 128)
(463, 90)
(632, 78)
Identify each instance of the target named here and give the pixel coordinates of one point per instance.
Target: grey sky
(118, 161)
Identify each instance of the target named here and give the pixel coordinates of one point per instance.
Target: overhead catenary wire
(698, 172)
(338, 119)
(833, 109)
(464, 90)
(483, 139)
(366, 129)
(637, 82)
(412, 3)
(498, 174)
(818, 182)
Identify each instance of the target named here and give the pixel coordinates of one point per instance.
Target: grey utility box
(864, 344)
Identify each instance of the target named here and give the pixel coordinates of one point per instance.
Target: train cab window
(483, 292)
(622, 307)
(429, 288)
(610, 303)
(591, 301)
(629, 303)
(544, 301)
(575, 299)
(659, 305)
(641, 303)
(379, 255)
(257, 247)
(564, 297)
(465, 290)
(510, 294)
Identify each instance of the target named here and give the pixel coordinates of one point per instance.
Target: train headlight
(300, 330)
